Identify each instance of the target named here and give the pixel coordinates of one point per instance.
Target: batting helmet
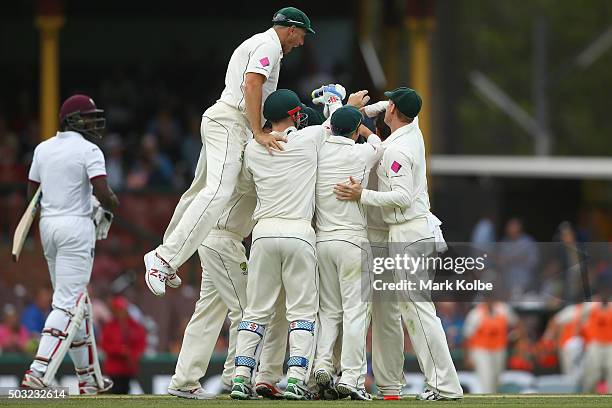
(80, 114)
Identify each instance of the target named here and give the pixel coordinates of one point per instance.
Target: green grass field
(151, 401)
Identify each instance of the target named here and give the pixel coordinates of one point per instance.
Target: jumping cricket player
(413, 231)
(283, 258)
(252, 74)
(66, 167)
(342, 249)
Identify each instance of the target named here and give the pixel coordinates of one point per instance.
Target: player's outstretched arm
(104, 194)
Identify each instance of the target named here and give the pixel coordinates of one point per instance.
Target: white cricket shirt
(402, 177)
(261, 54)
(285, 181)
(341, 158)
(374, 214)
(64, 166)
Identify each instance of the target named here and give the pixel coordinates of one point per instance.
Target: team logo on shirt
(244, 268)
(395, 166)
(264, 61)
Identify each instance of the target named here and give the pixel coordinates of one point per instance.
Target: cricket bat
(21, 232)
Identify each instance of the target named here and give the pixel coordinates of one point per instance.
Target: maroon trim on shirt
(95, 177)
(32, 181)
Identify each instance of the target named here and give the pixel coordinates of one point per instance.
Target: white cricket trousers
(344, 304)
(68, 245)
(415, 238)
(488, 365)
(387, 331)
(224, 133)
(283, 258)
(223, 288)
(597, 365)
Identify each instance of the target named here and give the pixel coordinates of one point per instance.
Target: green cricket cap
(291, 16)
(345, 120)
(313, 116)
(407, 100)
(281, 104)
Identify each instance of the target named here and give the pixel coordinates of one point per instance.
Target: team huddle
(313, 191)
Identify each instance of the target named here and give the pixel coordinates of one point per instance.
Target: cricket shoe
(268, 391)
(225, 389)
(387, 397)
(33, 381)
(91, 387)
(358, 394)
(173, 281)
(324, 380)
(196, 393)
(430, 395)
(156, 274)
(241, 390)
(297, 391)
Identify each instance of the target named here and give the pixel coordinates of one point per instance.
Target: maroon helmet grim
(80, 114)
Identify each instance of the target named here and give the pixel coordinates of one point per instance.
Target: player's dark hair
(382, 130)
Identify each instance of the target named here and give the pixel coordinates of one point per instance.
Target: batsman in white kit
(342, 251)
(414, 231)
(283, 257)
(252, 74)
(66, 166)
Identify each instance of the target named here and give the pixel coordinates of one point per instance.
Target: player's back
(285, 180)
(339, 159)
(64, 165)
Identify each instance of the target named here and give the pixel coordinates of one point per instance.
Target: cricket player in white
(413, 230)
(223, 288)
(66, 166)
(342, 250)
(387, 331)
(283, 258)
(252, 74)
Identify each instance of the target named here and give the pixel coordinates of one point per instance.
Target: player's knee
(252, 327)
(302, 325)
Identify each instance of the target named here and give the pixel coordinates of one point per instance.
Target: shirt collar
(340, 140)
(69, 133)
(274, 35)
(290, 129)
(398, 133)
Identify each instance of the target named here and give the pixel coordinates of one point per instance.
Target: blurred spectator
(598, 330)
(11, 170)
(14, 336)
(517, 259)
(452, 320)
(124, 342)
(192, 144)
(114, 161)
(152, 170)
(572, 265)
(564, 329)
(168, 132)
(486, 331)
(34, 315)
(483, 235)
